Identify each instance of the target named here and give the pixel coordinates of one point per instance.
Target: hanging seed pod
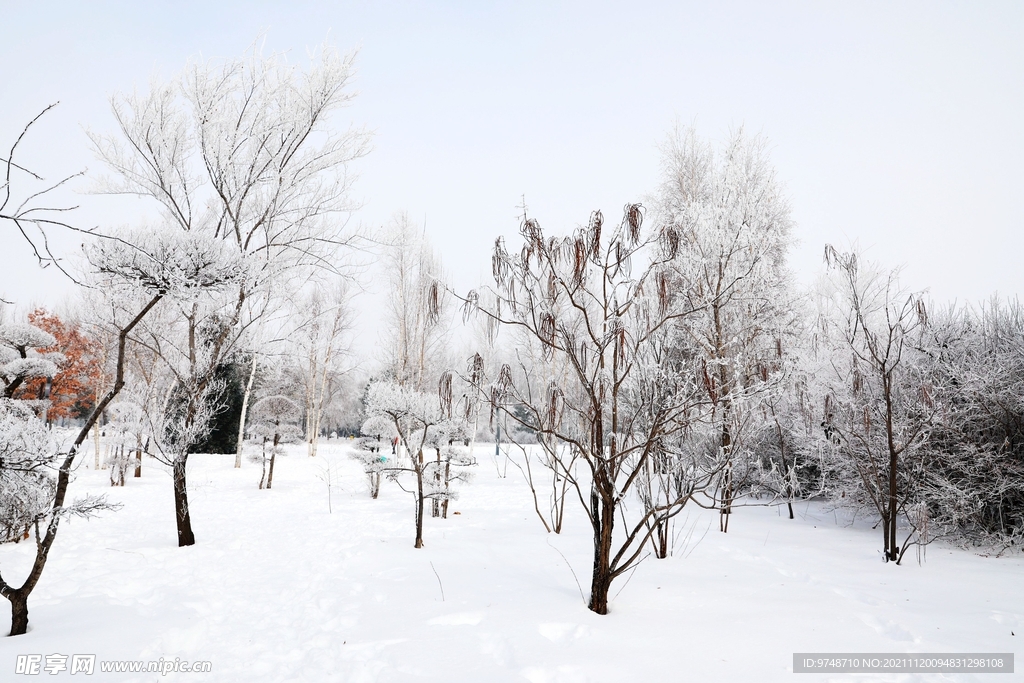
(434, 294)
(594, 234)
(504, 383)
(579, 261)
(922, 312)
(476, 369)
(554, 250)
(546, 332)
(669, 242)
(471, 305)
(926, 396)
(663, 291)
(620, 344)
(499, 261)
(633, 220)
(555, 406)
(444, 393)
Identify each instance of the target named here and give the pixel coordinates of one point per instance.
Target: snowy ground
(279, 589)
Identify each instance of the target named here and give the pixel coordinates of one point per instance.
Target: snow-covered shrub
(275, 424)
(27, 483)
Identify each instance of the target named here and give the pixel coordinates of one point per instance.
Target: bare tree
(413, 415)
(31, 212)
(237, 152)
(881, 404)
(416, 331)
(321, 350)
(733, 224)
(578, 301)
(275, 424)
(974, 482)
(41, 473)
(49, 508)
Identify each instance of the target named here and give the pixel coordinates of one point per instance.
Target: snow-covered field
(278, 588)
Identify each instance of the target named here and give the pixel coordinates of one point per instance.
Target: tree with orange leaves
(73, 389)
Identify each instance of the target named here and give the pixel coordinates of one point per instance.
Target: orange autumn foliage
(73, 389)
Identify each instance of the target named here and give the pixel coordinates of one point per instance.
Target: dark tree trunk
(601, 581)
(270, 474)
(138, 456)
(19, 597)
(660, 539)
(273, 455)
(181, 512)
(419, 502)
(447, 485)
(19, 612)
(435, 504)
(727, 488)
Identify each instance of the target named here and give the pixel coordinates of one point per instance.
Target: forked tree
(275, 418)
(734, 227)
(34, 474)
(412, 414)
(238, 152)
(35, 477)
(591, 303)
(881, 404)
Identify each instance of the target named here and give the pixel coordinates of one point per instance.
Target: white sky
(898, 125)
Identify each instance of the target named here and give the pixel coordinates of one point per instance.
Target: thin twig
(438, 580)
(548, 541)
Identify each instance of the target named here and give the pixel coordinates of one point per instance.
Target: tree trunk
(19, 597)
(245, 410)
(435, 504)
(19, 612)
(660, 539)
(892, 553)
(273, 455)
(601, 580)
(138, 455)
(96, 444)
(727, 490)
(182, 516)
(419, 502)
(447, 487)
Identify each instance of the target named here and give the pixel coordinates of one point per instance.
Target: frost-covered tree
(592, 302)
(416, 328)
(38, 475)
(413, 415)
(126, 430)
(275, 424)
(881, 403)
(733, 225)
(20, 359)
(451, 440)
(192, 270)
(974, 481)
(238, 153)
(372, 450)
(321, 353)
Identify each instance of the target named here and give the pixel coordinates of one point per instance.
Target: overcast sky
(894, 124)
